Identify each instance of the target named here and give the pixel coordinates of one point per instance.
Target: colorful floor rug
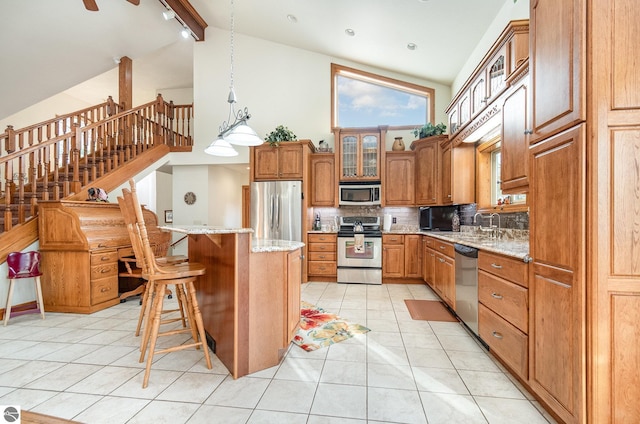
(429, 310)
(319, 328)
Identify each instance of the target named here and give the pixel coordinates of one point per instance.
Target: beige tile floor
(85, 368)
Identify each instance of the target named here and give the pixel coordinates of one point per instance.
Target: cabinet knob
(496, 296)
(528, 132)
(449, 196)
(441, 260)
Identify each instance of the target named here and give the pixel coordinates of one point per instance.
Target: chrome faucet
(496, 232)
(475, 218)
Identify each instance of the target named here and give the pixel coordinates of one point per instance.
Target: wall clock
(190, 198)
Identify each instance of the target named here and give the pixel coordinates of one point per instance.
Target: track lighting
(185, 33)
(168, 14)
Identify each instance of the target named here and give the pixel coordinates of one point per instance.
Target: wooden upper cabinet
(558, 64)
(457, 174)
(399, 188)
(427, 176)
(323, 179)
(514, 168)
(496, 74)
(284, 162)
(479, 93)
(490, 78)
(359, 153)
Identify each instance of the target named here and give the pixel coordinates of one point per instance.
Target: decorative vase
(398, 145)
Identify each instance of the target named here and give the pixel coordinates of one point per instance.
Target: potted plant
(429, 130)
(281, 133)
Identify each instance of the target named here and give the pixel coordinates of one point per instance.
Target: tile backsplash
(409, 216)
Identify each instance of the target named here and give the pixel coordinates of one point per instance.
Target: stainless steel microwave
(359, 194)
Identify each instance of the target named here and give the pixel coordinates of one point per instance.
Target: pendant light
(238, 132)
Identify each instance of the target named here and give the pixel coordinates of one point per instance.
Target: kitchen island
(249, 296)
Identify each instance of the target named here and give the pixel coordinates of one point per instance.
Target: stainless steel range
(360, 250)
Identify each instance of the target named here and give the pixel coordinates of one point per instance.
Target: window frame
(385, 82)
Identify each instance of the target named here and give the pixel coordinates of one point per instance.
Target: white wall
(510, 11)
(225, 196)
(277, 83)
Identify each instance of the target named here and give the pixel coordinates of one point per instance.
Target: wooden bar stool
(24, 265)
(158, 277)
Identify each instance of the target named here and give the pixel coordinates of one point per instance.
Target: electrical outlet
(394, 220)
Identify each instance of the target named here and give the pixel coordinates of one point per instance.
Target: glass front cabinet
(358, 152)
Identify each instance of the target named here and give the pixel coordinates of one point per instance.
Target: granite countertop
(204, 229)
(265, 245)
(514, 243)
(257, 245)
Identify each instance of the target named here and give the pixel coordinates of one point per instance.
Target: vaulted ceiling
(50, 46)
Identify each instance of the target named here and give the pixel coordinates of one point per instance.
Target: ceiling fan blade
(136, 2)
(91, 5)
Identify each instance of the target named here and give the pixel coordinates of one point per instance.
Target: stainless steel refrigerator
(276, 210)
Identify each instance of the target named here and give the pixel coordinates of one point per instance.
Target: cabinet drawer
(431, 243)
(321, 268)
(504, 340)
(321, 238)
(104, 257)
(508, 268)
(104, 270)
(322, 256)
(322, 247)
(392, 239)
(444, 248)
(506, 299)
(104, 289)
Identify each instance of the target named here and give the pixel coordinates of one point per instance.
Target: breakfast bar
(249, 296)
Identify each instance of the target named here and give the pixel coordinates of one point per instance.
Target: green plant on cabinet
(281, 133)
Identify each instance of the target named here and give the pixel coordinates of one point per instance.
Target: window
(489, 193)
(362, 99)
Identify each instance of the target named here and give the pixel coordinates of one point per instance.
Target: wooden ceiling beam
(187, 15)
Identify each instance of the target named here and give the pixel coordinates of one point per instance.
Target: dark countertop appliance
(437, 218)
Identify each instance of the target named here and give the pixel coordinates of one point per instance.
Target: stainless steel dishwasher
(467, 285)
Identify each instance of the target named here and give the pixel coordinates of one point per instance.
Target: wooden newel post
(76, 186)
(159, 118)
(10, 145)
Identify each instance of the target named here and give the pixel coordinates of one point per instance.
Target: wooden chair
(24, 265)
(159, 277)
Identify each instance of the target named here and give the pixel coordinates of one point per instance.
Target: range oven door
(369, 257)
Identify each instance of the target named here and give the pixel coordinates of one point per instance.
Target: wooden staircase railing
(57, 158)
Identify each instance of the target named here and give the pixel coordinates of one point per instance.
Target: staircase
(62, 157)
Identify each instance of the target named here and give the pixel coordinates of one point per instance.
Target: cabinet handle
(496, 266)
(104, 258)
(102, 245)
(496, 335)
(442, 247)
(322, 256)
(104, 271)
(496, 296)
(104, 289)
(322, 247)
(322, 268)
(432, 254)
(528, 132)
(449, 196)
(441, 260)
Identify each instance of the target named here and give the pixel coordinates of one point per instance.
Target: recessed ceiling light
(292, 19)
(412, 46)
(349, 32)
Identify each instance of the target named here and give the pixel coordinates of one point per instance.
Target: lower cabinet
(321, 252)
(439, 268)
(401, 256)
(392, 256)
(503, 319)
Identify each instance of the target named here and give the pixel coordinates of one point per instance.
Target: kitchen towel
(358, 243)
